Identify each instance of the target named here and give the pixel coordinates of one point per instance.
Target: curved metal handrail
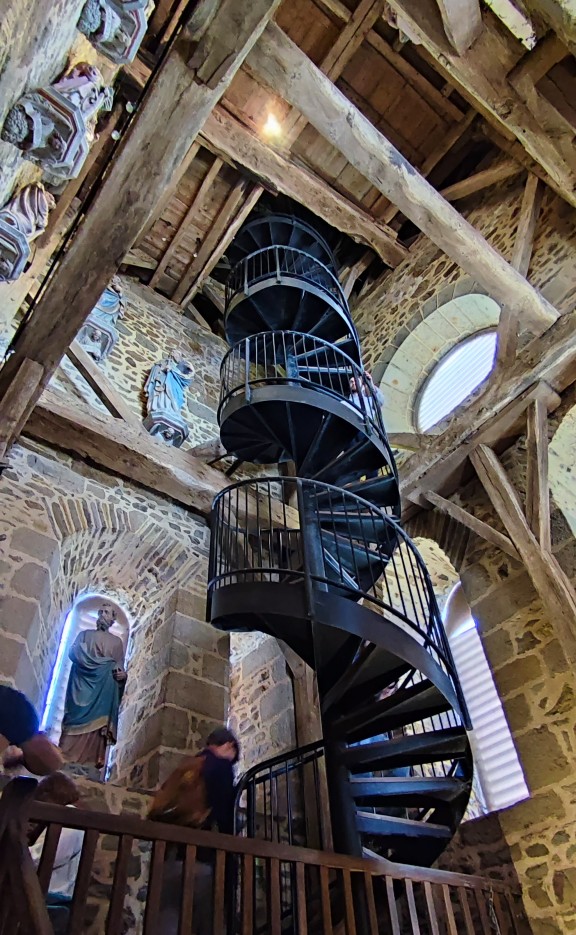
(277, 263)
(294, 224)
(294, 358)
(263, 544)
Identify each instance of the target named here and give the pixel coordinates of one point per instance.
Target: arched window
(497, 767)
(456, 375)
(82, 616)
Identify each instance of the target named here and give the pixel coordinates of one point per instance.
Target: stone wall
(66, 530)
(390, 308)
(537, 690)
(150, 328)
(261, 698)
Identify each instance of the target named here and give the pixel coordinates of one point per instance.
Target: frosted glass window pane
(455, 377)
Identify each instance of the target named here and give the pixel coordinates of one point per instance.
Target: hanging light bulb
(272, 128)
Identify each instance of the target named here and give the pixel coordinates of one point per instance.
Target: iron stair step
(405, 706)
(354, 559)
(408, 750)
(391, 827)
(408, 791)
(359, 524)
(364, 679)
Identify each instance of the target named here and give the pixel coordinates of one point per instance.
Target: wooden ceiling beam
(462, 22)
(221, 224)
(224, 135)
(437, 100)
(538, 61)
(453, 136)
(101, 385)
(355, 271)
(128, 452)
(197, 202)
(523, 245)
(551, 583)
(481, 76)
(227, 236)
(342, 51)
(560, 15)
(477, 526)
(537, 491)
(502, 170)
(138, 457)
(543, 369)
(205, 56)
(290, 73)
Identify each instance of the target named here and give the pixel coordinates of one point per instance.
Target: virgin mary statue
(94, 690)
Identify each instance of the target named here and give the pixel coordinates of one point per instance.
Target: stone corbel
(55, 126)
(115, 27)
(22, 219)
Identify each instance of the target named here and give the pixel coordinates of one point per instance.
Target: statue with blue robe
(95, 687)
(99, 334)
(166, 390)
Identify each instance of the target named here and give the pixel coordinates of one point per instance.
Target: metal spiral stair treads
(320, 561)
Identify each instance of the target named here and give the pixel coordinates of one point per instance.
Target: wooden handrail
(449, 901)
(145, 830)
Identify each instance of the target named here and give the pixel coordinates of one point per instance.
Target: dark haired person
(19, 727)
(198, 794)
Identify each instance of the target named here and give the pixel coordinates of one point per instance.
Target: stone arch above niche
(451, 316)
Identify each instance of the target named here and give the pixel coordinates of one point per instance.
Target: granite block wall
(67, 529)
(538, 689)
(388, 309)
(261, 698)
(150, 328)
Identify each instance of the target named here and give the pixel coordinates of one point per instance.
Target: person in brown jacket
(199, 794)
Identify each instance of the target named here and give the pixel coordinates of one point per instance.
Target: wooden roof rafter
(481, 76)
(183, 92)
(285, 68)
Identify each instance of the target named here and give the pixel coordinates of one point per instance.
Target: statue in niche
(166, 390)
(55, 126)
(95, 687)
(116, 27)
(22, 220)
(99, 335)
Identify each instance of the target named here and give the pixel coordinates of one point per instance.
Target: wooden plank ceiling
(428, 96)
(404, 98)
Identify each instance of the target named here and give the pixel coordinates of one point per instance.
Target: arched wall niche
(147, 556)
(444, 323)
(83, 616)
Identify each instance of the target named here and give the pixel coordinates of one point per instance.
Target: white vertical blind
(496, 761)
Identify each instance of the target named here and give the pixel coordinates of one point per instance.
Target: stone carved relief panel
(56, 125)
(22, 219)
(116, 27)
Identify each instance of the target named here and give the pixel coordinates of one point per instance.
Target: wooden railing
(330, 894)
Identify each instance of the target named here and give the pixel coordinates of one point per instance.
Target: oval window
(454, 378)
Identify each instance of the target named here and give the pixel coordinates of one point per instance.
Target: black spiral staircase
(317, 558)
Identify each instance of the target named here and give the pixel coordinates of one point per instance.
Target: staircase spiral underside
(316, 556)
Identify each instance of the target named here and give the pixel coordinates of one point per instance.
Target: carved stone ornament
(55, 126)
(115, 27)
(22, 219)
(166, 390)
(99, 335)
